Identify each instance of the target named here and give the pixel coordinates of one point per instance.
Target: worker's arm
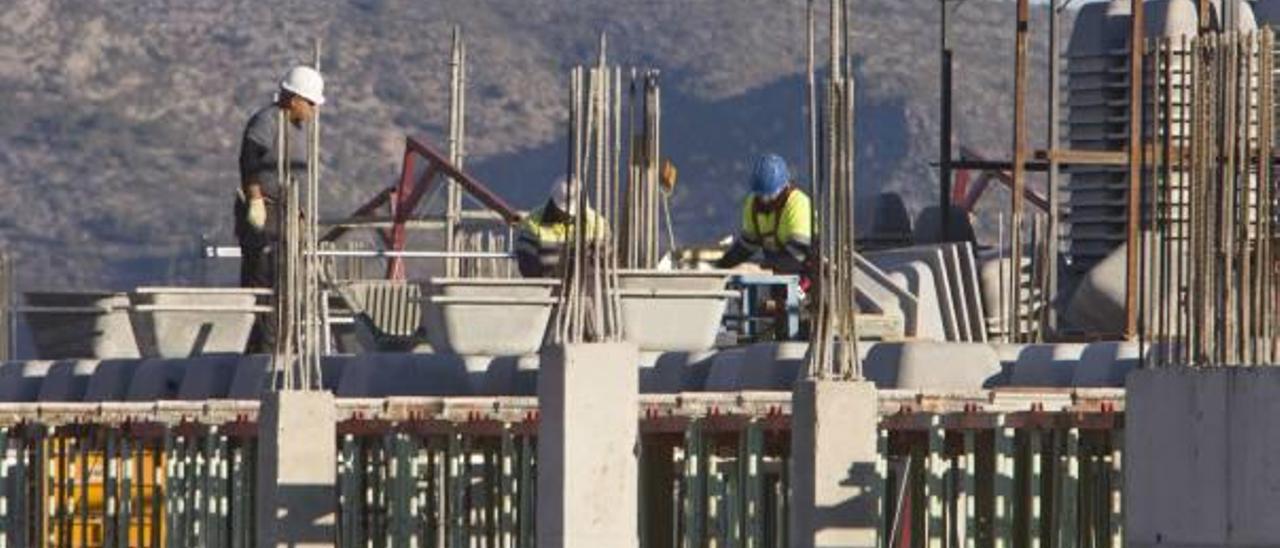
(740, 252)
(254, 155)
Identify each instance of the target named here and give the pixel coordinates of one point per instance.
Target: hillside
(119, 121)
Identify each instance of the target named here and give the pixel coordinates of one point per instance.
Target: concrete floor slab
(110, 380)
(67, 380)
(20, 380)
(772, 365)
(674, 372)
(1046, 365)
(208, 377)
(932, 365)
(1105, 364)
(157, 379)
(725, 370)
(587, 395)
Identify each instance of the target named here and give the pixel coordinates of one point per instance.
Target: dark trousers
(258, 270)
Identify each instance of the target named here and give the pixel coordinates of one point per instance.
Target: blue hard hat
(769, 176)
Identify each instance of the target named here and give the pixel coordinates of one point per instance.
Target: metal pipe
(1135, 168)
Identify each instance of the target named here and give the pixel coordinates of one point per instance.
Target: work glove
(256, 215)
(668, 176)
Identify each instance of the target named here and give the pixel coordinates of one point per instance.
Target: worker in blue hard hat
(777, 222)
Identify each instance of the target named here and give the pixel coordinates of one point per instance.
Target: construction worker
(544, 232)
(776, 222)
(257, 199)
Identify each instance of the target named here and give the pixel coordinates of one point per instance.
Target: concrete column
(1199, 463)
(587, 445)
(834, 487)
(297, 468)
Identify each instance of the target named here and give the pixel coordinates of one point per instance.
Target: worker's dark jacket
(258, 159)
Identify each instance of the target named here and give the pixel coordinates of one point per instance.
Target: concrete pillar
(587, 445)
(297, 468)
(1199, 462)
(834, 487)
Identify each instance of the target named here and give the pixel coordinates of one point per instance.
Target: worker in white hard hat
(300, 92)
(544, 232)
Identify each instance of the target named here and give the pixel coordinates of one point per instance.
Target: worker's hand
(667, 177)
(257, 213)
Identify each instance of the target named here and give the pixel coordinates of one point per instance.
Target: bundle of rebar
(639, 234)
(295, 360)
(1210, 273)
(833, 351)
(588, 308)
(457, 144)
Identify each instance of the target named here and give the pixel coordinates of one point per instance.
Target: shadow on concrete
(306, 516)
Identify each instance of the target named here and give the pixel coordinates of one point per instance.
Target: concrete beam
(297, 469)
(587, 444)
(834, 484)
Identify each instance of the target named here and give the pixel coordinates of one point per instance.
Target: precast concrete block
(208, 377)
(80, 324)
(180, 322)
(489, 287)
(772, 365)
(926, 275)
(20, 380)
(66, 380)
(918, 279)
(1106, 364)
(1047, 365)
(932, 365)
(674, 372)
(488, 325)
(587, 485)
(672, 320)
(296, 470)
(157, 379)
(680, 280)
(833, 466)
(725, 370)
(110, 380)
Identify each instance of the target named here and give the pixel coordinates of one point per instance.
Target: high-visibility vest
(772, 228)
(546, 239)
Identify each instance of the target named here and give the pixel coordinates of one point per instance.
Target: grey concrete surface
(672, 320)
(833, 447)
(587, 394)
(252, 375)
(80, 324)
(208, 377)
(157, 379)
(110, 380)
(178, 322)
(918, 280)
(674, 372)
(1046, 365)
(297, 469)
(1199, 465)
(510, 376)
(20, 380)
(772, 365)
(932, 365)
(681, 280)
(471, 325)
(67, 380)
(1106, 364)
(403, 374)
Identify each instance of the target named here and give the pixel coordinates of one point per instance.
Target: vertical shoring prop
(1134, 198)
(1017, 197)
(457, 147)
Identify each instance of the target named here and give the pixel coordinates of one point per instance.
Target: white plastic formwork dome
(1098, 115)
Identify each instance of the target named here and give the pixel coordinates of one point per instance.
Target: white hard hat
(305, 82)
(560, 196)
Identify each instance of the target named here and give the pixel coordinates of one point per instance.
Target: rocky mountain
(120, 120)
